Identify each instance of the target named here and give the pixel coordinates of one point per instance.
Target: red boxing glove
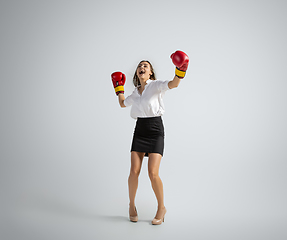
(180, 60)
(118, 79)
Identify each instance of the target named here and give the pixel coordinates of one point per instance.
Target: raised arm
(174, 83)
(121, 100)
(180, 60)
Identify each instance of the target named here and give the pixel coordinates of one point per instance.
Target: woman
(148, 140)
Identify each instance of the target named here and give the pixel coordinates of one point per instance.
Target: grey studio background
(65, 141)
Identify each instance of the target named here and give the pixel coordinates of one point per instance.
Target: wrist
(179, 73)
(119, 89)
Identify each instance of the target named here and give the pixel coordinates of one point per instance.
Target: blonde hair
(136, 80)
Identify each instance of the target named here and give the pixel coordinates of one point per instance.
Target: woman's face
(144, 70)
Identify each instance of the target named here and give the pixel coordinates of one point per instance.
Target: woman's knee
(135, 172)
(153, 175)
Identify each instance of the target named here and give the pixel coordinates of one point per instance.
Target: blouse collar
(148, 81)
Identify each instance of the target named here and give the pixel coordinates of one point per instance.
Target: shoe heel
(159, 221)
(134, 218)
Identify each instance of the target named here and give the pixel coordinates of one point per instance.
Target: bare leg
(153, 170)
(136, 163)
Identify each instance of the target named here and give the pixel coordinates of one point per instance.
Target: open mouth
(142, 72)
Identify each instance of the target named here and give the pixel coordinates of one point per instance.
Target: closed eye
(144, 65)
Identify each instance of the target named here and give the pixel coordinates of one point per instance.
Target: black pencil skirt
(148, 136)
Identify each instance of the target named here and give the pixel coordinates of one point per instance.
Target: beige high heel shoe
(156, 221)
(134, 218)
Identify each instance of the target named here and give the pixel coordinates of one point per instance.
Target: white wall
(65, 140)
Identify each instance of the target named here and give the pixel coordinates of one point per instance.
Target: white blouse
(150, 102)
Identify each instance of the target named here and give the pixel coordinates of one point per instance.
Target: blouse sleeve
(130, 99)
(162, 85)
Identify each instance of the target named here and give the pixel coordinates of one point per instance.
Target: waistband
(157, 118)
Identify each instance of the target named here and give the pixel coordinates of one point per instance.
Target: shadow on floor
(66, 209)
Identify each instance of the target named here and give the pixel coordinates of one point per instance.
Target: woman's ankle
(132, 205)
(160, 207)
